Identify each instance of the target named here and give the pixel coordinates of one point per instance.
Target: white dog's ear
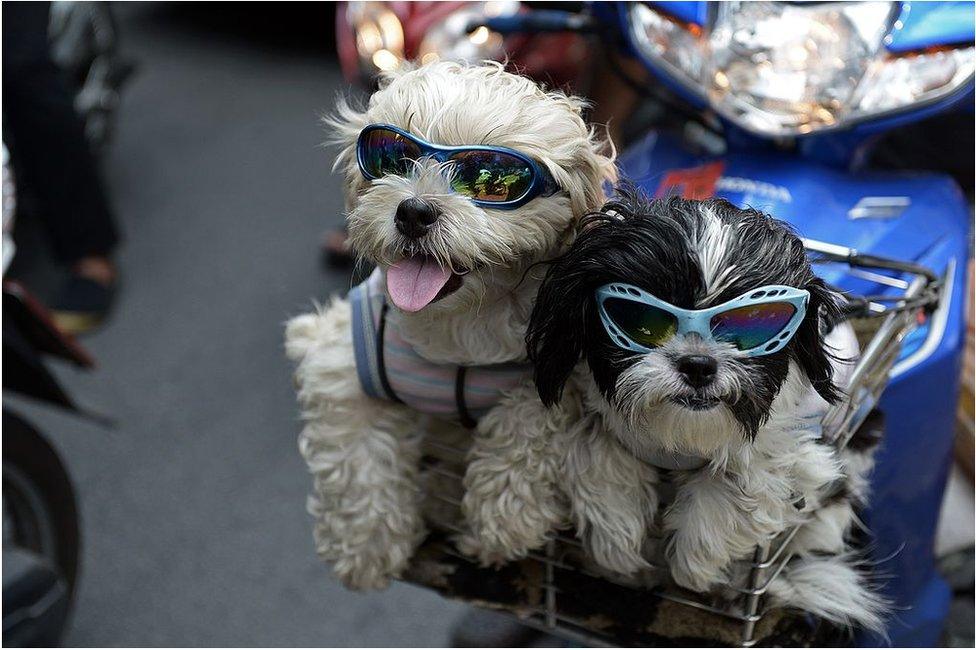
(342, 130)
(345, 122)
(600, 166)
(593, 167)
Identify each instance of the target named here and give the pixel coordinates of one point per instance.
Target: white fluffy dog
(738, 433)
(454, 267)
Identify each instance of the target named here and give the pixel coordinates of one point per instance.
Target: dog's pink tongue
(415, 281)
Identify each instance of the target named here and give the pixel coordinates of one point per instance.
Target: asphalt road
(193, 504)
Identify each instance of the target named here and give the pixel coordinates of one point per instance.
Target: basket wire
(891, 317)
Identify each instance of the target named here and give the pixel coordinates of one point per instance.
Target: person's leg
(336, 253)
(51, 156)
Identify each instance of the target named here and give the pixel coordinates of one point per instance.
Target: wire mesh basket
(553, 589)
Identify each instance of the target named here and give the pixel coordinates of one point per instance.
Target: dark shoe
(82, 304)
(335, 250)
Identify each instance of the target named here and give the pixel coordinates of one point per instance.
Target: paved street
(193, 505)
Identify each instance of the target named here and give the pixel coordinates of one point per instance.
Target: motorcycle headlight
(785, 69)
(450, 39)
(379, 36)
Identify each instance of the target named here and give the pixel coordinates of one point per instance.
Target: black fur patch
(651, 244)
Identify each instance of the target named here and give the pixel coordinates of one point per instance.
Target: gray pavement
(193, 505)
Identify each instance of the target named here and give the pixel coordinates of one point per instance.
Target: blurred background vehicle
(377, 37)
(41, 540)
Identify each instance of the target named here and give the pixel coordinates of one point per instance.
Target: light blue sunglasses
(757, 323)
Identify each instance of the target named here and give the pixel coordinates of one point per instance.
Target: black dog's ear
(556, 337)
(810, 350)
(565, 309)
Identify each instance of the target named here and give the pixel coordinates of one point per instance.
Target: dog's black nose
(698, 369)
(414, 217)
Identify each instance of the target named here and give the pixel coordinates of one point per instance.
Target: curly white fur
(511, 498)
(363, 453)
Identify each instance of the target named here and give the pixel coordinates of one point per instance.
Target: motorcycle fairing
(918, 25)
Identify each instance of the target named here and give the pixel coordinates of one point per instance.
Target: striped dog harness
(389, 368)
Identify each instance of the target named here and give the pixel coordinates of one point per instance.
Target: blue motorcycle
(789, 105)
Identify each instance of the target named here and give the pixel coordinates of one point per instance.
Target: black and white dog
(690, 336)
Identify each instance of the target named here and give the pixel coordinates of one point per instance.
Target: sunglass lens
(642, 324)
(382, 152)
(753, 325)
(490, 176)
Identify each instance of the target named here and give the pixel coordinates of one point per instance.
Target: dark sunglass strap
(462, 407)
(381, 330)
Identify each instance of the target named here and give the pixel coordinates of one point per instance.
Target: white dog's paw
(366, 559)
(507, 514)
(373, 568)
(368, 532)
(502, 529)
(694, 562)
(614, 552)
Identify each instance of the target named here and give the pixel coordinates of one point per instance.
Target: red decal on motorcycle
(694, 183)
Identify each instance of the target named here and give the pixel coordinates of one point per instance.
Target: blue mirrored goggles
(492, 177)
(759, 322)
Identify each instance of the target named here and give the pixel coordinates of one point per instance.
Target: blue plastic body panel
(919, 403)
(930, 24)
(919, 25)
(688, 12)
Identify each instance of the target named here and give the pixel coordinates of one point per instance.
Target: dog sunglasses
(492, 177)
(759, 322)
